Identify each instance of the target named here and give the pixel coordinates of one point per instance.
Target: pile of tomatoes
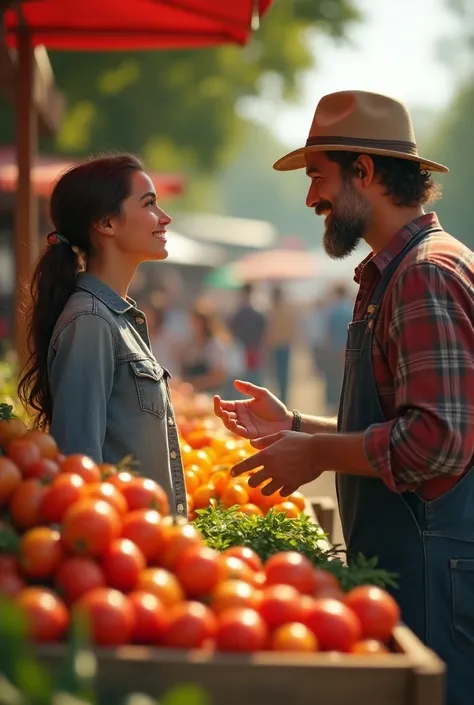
(208, 454)
(99, 542)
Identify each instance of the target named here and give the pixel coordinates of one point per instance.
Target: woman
(210, 356)
(91, 376)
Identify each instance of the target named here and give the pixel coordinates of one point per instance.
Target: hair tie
(56, 238)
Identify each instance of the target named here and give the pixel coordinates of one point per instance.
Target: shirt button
(173, 455)
(180, 507)
(139, 321)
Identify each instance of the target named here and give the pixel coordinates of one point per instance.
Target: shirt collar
(104, 293)
(398, 242)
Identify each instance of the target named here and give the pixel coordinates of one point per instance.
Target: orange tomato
(234, 494)
(251, 510)
(289, 509)
(219, 480)
(369, 647)
(263, 501)
(162, 584)
(233, 593)
(192, 480)
(199, 458)
(200, 473)
(294, 637)
(204, 495)
(41, 552)
(298, 499)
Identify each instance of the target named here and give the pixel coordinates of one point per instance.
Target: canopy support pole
(26, 220)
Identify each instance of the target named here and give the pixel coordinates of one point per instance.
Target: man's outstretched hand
(261, 415)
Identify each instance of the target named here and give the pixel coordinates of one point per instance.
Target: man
(248, 326)
(402, 448)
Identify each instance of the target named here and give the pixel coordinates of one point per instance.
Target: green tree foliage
(179, 108)
(452, 144)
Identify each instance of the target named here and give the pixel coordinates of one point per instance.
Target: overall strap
(389, 272)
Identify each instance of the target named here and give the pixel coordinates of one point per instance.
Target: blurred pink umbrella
(276, 265)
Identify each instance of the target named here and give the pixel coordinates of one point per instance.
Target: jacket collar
(104, 293)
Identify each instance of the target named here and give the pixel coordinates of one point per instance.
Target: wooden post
(26, 235)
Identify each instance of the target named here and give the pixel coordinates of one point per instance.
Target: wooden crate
(412, 676)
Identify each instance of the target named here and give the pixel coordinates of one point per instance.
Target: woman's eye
(150, 203)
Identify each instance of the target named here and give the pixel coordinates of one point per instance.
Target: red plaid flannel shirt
(423, 357)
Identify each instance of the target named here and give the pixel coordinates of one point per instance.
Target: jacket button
(170, 421)
(173, 455)
(180, 507)
(139, 321)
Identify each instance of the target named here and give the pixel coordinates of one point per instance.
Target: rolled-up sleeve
(431, 354)
(81, 373)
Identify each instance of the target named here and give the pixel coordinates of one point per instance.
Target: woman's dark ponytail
(53, 283)
(82, 196)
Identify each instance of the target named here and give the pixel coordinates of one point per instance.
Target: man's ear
(364, 169)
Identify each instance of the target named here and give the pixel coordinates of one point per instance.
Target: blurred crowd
(255, 340)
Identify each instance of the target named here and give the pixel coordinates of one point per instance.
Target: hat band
(359, 143)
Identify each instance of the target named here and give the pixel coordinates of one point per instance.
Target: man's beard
(349, 217)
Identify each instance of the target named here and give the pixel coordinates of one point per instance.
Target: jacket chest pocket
(151, 386)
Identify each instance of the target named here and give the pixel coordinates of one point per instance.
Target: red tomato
(234, 568)
(143, 493)
(178, 537)
(76, 576)
(109, 615)
(11, 584)
(369, 647)
(199, 570)
(325, 583)
(25, 503)
(41, 552)
(241, 629)
(46, 615)
(146, 529)
(280, 604)
(82, 465)
(46, 443)
(9, 563)
(121, 479)
(10, 479)
(189, 625)
(247, 555)
(63, 493)
(107, 492)
(334, 625)
(90, 526)
(377, 611)
(291, 568)
(150, 618)
(122, 564)
(294, 637)
(43, 469)
(23, 452)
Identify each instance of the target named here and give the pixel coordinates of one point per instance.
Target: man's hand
(259, 416)
(286, 458)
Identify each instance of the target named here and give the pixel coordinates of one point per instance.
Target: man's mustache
(323, 208)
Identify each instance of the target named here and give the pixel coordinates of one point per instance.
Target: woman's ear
(104, 226)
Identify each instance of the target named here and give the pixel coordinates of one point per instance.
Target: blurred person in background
(402, 448)
(248, 326)
(314, 329)
(91, 377)
(210, 357)
(279, 337)
(339, 315)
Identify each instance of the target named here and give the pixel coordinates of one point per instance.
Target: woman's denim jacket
(110, 396)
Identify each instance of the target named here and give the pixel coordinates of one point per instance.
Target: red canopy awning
(99, 25)
(47, 169)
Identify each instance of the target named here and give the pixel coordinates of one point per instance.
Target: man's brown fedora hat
(358, 121)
